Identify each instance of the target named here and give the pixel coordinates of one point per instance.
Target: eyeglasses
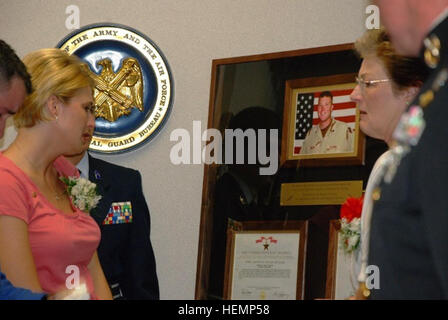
(369, 83)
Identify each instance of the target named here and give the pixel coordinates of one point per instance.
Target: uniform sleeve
(433, 183)
(306, 143)
(140, 269)
(13, 197)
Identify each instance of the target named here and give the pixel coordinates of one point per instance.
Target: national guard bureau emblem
(133, 84)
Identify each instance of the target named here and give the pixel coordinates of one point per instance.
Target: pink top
(57, 239)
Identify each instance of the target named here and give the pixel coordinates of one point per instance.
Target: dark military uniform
(409, 227)
(125, 250)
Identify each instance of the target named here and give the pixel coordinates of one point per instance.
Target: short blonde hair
(53, 73)
(404, 71)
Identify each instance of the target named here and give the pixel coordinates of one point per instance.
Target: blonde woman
(46, 243)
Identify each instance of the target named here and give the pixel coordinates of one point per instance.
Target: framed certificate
(341, 280)
(265, 261)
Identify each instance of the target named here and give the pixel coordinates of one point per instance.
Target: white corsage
(82, 192)
(350, 234)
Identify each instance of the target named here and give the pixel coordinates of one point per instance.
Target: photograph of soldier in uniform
(328, 135)
(321, 123)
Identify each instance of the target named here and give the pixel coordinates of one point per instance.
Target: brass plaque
(319, 193)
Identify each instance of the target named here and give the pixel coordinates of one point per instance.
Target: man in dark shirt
(410, 217)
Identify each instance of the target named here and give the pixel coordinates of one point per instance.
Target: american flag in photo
(306, 113)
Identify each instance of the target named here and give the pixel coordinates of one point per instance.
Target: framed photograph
(265, 260)
(321, 123)
(341, 281)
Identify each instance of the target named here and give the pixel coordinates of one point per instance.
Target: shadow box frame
(210, 170)
(314, 85)
(260, 228)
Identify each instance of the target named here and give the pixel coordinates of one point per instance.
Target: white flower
(353, 241)
(82, 192)
(350, 234)
(355, 225)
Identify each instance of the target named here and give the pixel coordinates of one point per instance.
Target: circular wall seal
(133, 84)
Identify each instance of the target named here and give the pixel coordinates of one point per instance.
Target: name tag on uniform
(119, 212)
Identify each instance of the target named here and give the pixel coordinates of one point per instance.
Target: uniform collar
(83, 166)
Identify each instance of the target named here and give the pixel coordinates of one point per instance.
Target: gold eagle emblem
(115, 94)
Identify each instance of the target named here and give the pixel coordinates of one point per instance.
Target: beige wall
(190, 33)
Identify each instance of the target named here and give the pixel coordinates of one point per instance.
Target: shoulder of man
(341, 126)
(111, 169)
